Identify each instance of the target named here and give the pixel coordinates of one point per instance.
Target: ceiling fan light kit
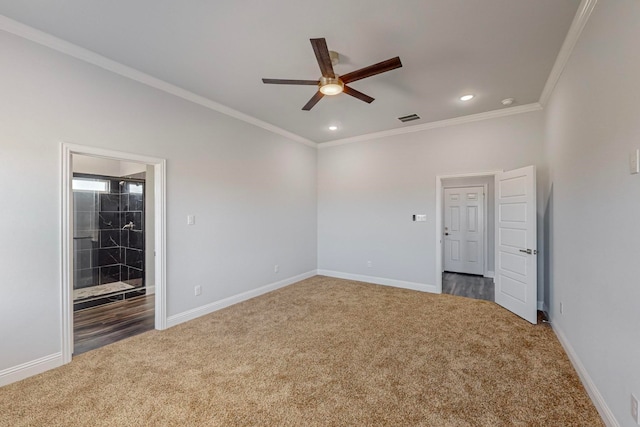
(330, 83)
(331, 86)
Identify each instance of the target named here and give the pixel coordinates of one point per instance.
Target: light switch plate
(634, 162)
(191, 219)
(421, 218)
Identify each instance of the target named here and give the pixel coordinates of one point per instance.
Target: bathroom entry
(112, 298)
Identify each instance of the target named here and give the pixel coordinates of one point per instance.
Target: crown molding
(434, 125)
(578, 24)
(52, 42)
(45, 39)
(579, 21)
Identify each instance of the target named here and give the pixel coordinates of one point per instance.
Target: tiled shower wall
(103, 251)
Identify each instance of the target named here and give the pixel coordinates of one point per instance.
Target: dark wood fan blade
(356, 94)
(322, 55)
(313, 101)
(290, 82)
(372, 70)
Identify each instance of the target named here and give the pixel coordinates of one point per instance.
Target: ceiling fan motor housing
(330, 83)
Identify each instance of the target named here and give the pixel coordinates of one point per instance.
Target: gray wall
(592, 125)
(253, 192)
(367, 192)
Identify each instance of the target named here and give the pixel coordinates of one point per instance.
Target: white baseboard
(28, 369)
(381, 281)
(490, 274)
(597, 399)
(176, 319)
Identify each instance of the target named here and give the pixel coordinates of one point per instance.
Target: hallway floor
(105, 324)
(468, 285)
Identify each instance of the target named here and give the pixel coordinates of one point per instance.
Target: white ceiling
(221, 49)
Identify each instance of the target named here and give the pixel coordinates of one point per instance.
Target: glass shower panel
(109, 239)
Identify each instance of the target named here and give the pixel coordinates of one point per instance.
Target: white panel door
(516, 246)
(464, 230)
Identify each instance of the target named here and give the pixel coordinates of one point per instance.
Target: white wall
(128, 168)
(107, 167)
(96, 165)
(253, 192)
(592, 124)
(367, 192)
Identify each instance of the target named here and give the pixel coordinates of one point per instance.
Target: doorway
(113, 293)
(514, 232)
(467, 236)
(113, 272)
(464, 229)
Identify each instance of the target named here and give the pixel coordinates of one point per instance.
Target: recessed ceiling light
(333, 127)
(467, 97)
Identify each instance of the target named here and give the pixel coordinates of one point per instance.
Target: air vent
(409, 118)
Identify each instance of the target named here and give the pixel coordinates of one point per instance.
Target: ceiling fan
(332, 84)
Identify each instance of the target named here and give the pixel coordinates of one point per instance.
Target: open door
(516, 246)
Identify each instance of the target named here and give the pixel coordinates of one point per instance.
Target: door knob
(526, 251)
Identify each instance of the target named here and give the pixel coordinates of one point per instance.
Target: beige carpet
(322, 352)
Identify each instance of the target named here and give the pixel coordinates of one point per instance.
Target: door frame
(439, 219)
(66, 294)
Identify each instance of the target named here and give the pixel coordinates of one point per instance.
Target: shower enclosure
(108, 239)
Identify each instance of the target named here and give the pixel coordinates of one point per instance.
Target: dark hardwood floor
(98, 326)
(468, 285)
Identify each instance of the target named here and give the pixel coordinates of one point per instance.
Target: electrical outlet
(276, 268)
(634, 409)
(561, 308)
(197, 290)
(369, 264)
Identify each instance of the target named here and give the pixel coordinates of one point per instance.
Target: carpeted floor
(322, 352)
